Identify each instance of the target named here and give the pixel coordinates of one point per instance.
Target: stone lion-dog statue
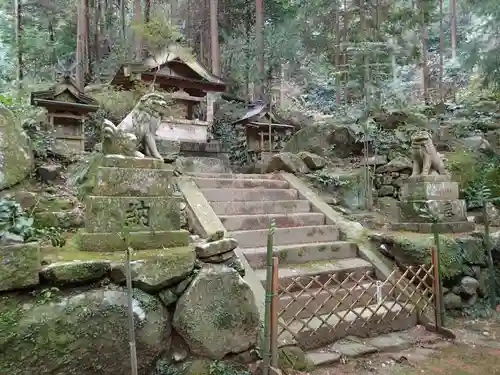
(135, 135)
(425, 157)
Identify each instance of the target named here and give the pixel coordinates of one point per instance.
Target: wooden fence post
(437, 289)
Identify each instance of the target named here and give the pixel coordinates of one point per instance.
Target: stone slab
(430, 178)
(445, 190)
(449, 227)
(120, 161)
(112, 214)
(110, 242)
(19, 266)
(449, 210)
(134, 182)
(319, 358)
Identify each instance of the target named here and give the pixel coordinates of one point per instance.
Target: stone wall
(390, 176)
(188, 302)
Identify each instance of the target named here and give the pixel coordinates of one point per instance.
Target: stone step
(240, 183)
(260, 207)
(242, 195)
(352, 268)
(238, 176)
(251, 222)
(302, 253)
(286, 236)
(337, 298)
(363, 321)
(134, 182)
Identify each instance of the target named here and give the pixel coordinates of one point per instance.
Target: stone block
(449, 210)
(109, 242)
(167, 148)
(120, 161)
(19, 266)
(113, 214)
(456, 227)
(134, 182)
(425, 190)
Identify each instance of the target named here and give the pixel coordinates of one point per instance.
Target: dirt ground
(476, 351)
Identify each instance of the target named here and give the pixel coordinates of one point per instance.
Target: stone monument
(135, 196)
(430, 187)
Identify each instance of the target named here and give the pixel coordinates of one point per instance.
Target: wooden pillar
(210, 108)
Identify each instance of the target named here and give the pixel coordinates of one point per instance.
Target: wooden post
(437, 288)
(274, 316)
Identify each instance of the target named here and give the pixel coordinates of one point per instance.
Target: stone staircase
(306, 246)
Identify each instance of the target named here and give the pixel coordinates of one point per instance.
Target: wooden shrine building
(265, 131)
(184, 80)
(67, 108)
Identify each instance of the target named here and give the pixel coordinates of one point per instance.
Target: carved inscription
(137, 214)
(448, 210)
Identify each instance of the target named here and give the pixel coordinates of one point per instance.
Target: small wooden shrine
(67, 108)
(265, 131)
(184, 80)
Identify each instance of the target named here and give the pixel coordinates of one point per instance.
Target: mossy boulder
(288, 162)
(16, 157)
(86, 333)
(75, 272)
(336, 139)
(217, 314)
(19, 266)
(158, 272)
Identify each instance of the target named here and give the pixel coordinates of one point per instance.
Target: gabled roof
(176, 53)
(66, 85)
(259, 108)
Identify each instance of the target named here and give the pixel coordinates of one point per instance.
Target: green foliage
(157, 34)
(17, 226)
(325, 179)
(42, 142)
(477, 174)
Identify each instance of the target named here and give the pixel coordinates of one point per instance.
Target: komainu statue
(135, 135)
(425, 157)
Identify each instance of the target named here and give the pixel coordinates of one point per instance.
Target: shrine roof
(68, 89)
(258, 110)
(173, 62)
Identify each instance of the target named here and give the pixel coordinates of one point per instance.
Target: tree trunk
(214, 37)
(80, 44)
(337, 53)
(425, 42)
(122, 18)
(137, 36)
(52, 46)
(346, 56)
(19, 40)
(441, 57)
(147, 11)
(97, 31)
(453, 9)
(88, 56)
(259, 39)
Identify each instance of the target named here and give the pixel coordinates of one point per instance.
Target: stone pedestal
(137, 197)
(437, 194)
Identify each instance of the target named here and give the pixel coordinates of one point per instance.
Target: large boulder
(16, 157)
(217, 314)
(288, 162)
(319, 139)
(157, 272)
(82, 334)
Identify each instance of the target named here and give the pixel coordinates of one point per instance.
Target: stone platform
(438, 195)
(137, 197)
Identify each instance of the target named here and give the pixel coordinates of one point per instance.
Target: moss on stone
(71, 252)
(293, 357)
(108, 242)
(109, 214)
(19, 266)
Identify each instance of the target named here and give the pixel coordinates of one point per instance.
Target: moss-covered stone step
(134, 182)
(113, 214)
(19, 266)
(119, 161)
(109, 242)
